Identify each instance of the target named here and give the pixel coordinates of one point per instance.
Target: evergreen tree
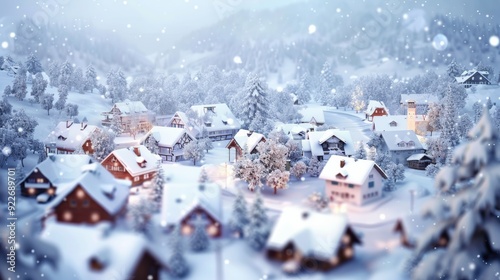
(449, 118)
(7, 91)
(140, 214)
(314, 168)
(77, 80)
(33, 65)
(239, 217)
(39, 86)
(454, 70)
(466, 210)
(102, 144)
(177, 264)
(42, 155)
(258, 227)
(360, 152)
(477, 109)
(195, 151)
(19, 86)
(464, 125)
(158, 184)
(199, 239)
(358, 99)
(253, 102)
(71, 110)
(90, 81)
(47, 102)
(299, 169)
(117, 85)
(65, 74)
(54, 73)
(63, 96)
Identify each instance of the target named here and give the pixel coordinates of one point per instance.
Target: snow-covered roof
(250, 139)
(183, 193)
(400, 140)
(128, 107)
(110, 193)
(423, 98)
(314, 234)
(167, 136)
(418, 156)
(133, 163)
(468, 74)
(316, 138)
(119, 251)
(373, 105)
(60, 168)
(220, 116)
(291, 129)
(355, 171)
(70, 136)
(312, 114)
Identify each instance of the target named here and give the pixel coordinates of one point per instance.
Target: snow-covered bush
(278, 180)
(239, 216)
(199, 239)
(298, 170)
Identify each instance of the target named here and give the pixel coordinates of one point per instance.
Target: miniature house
(401, 145)
(473, 77)
(375, 108)
(244, 139)
(323, 144)
(319, 241)
(170, 141)
(419, 161)
(71, 136)
(354, 181)
(133, 116)
(314, 116)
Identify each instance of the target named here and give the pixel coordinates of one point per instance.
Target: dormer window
(208, 124)
(62, 138)
(393, 123)
(224, 122)
(401, 144)
(411, 144)
(209, 109)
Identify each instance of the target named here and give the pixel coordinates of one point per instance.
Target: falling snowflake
(5, 45)
(494, 41)
(12, 34)
(237, 60)
(312, 29)
(6, 151)
(440, 42)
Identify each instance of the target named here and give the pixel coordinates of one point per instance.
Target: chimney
(249, 133)
(83, 124)
(305, 215)
(68, 123)
(137, 152)
(342, 163)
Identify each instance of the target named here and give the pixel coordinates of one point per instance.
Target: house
(217, 120)
(352, 181)
(92, 197)
(473, 77)
(314, 116)
(185, 198)
(99, 252)
(322, 144)
(409, 227)
(56, 169)
(136, 164)
(421, 101)
(71, 136)
(417, 123)
(244, 138)
(133, 116)
(307, 237)
(170, 141)
(419, 161)
(294, 131)
(375, 108)
(401, 145)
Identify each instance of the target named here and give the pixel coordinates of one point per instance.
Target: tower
(411, 114)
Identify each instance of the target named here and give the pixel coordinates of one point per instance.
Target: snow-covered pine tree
(90, 80)
(239, 216)
(177, 264)
(464, 125)
(102, 144)
(47, 102)
(54, 73)
(469, 216)
(150, 142)
(454, 70)
(42, 155)
(77, 80)
(158, 184)
(314, 168)
(71, 110)
(449, 118)
(477, 109)
(139, 215)
(39, 86)
(258, 227)
(358, 99)
(395, 172)
(360, 151)
(33, 65)
(375, 141)
(432, 169)
(194, 151)
(7, 91)
(199, 239)
(278, 179)
(65, 74)
(253, 101)
(383, 159)
(19, 86)
(298, 169)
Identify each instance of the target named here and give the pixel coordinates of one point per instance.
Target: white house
(401, 145)
(133, 116)
(375, 108)
(422, 101)
(323, 144)
(185, 198)
(244, 139)
(302, 235)
(170, 140)
(294, 131)
(70, 136)
(312, 115)
(352, 181)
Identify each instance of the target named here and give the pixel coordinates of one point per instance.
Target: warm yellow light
(31, 191)
(80, 194)
(67, 216)
(212, 230)
(95, 217)
(186, 230)
(348, 252)
(346, 239)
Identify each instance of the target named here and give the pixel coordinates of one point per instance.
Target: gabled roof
(316, 138)
(131, 107)
(291, 129)
(78, 244)
(167, 136)
(355, 171)
(220, 116)
(250, 139)
(110, 193)
(314, 234)
(392, 138)
(59, 168)
(132, 162)
(423, 98)
(468, 74)
(183, 193)
(419, 156)
(72, 137)
(373, 105)
(310, 113)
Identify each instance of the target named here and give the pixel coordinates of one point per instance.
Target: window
(370, 176)
(86, 203)
(371, 184)
(72, 203)
(136, 178)
(146, 176)
(40, 180)
(335, 183)
(351, 186)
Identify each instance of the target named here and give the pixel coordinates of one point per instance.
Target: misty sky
(153, 25)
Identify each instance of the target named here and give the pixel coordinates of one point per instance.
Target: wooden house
(170, 141)
(217, 121)
(136, 164)
(55, 170)
(314, 116)
(318, 241)
(323, 144)
(134, 117)
(419, 161)
(375, 108)
(401, 145)
(185, 199)
(354, 181)
(100, 252)
(70, 136)
(422, 102)
(92, 197)
(473, 77)
(244, 138)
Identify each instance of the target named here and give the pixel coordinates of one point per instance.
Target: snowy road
(360, 131)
